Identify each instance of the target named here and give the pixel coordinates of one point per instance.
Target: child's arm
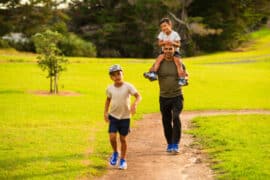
(176, 43)
(133, 107)
(161, 43)
(106, 109)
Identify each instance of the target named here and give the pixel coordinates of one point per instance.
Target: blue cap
(115, 68)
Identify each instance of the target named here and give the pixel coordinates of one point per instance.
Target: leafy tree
(50, 59)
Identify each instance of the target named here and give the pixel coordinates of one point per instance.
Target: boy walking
(117, 112)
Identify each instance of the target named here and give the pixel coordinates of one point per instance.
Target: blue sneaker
(152, 76)
(114, 158)
(175, 148)
(182, 81)
(169, 148)
(123, 164)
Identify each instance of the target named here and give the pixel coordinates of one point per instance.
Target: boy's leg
(178, 63)
(113, 141)
(181, 71)
(113, 126)
(123, 146)
(157, 63)
(123, 131)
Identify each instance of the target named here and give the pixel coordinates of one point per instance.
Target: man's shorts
(119, 125)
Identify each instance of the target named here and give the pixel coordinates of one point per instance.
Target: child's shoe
(183, 81)
(152, 76)
(114, 158)
(123, 164)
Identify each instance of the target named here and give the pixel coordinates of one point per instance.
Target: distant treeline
(128, 28)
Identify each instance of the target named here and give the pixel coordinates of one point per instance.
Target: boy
(168, 37)
(117, 112)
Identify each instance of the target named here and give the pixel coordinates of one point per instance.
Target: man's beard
(168, 56)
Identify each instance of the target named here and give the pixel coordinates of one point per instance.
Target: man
(171, 99)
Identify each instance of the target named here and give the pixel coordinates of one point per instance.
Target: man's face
(168, 51)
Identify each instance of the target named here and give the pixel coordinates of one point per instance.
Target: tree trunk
(51, 84)
(56, 83)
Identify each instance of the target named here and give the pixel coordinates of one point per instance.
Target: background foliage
(121, 28)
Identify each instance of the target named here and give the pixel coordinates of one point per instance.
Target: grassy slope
(238, 144)
(65, 137)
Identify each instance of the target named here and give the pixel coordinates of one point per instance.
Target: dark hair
(165, 20)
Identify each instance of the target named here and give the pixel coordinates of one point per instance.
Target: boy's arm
(106, 109)
(133, 107)
(176, 43)
(161, 43)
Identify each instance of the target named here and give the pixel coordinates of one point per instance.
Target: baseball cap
(115, 68)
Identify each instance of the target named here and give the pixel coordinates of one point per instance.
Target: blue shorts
(117, 125)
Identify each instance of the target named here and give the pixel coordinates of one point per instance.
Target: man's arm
(106, 109)
(133, 107)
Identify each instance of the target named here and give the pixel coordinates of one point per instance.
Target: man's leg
(165, 108)
(176, 110)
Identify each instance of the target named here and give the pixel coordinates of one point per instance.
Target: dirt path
(147, 158)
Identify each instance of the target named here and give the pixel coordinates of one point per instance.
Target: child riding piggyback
(168, 36)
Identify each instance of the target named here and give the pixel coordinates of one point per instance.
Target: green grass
(65, 137)
(238, 144)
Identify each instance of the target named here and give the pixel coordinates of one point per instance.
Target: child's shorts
(119, 125)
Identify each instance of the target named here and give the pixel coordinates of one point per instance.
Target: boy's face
(117, 77)
(166, 27)
(168, 51)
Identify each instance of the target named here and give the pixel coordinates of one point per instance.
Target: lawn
(239, 145)
(65, 137)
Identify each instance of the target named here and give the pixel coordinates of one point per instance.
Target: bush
(72, 45)
(4, 43)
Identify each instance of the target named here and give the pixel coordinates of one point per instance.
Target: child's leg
(123, 146)
(178, 63)
(113, 141)
(157, 63)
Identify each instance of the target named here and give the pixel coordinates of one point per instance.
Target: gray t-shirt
(168, 80)
(120, 100)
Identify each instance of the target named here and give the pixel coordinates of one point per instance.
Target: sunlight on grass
(239, 144)
(65, 137)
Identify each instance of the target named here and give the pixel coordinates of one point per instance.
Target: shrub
(72, 45)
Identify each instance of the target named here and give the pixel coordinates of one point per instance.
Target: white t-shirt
(173, 36)
(120, 100)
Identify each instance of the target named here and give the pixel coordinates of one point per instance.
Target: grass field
(238, 144)
(65, 137)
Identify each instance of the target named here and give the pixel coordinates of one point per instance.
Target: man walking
(170, 100)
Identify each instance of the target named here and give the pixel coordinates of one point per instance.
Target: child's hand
(106, 117)
(133, 109)
(168, 43)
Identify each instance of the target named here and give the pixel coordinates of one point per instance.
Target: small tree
(50, 58)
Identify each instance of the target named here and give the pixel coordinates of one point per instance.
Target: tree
(50, 59)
